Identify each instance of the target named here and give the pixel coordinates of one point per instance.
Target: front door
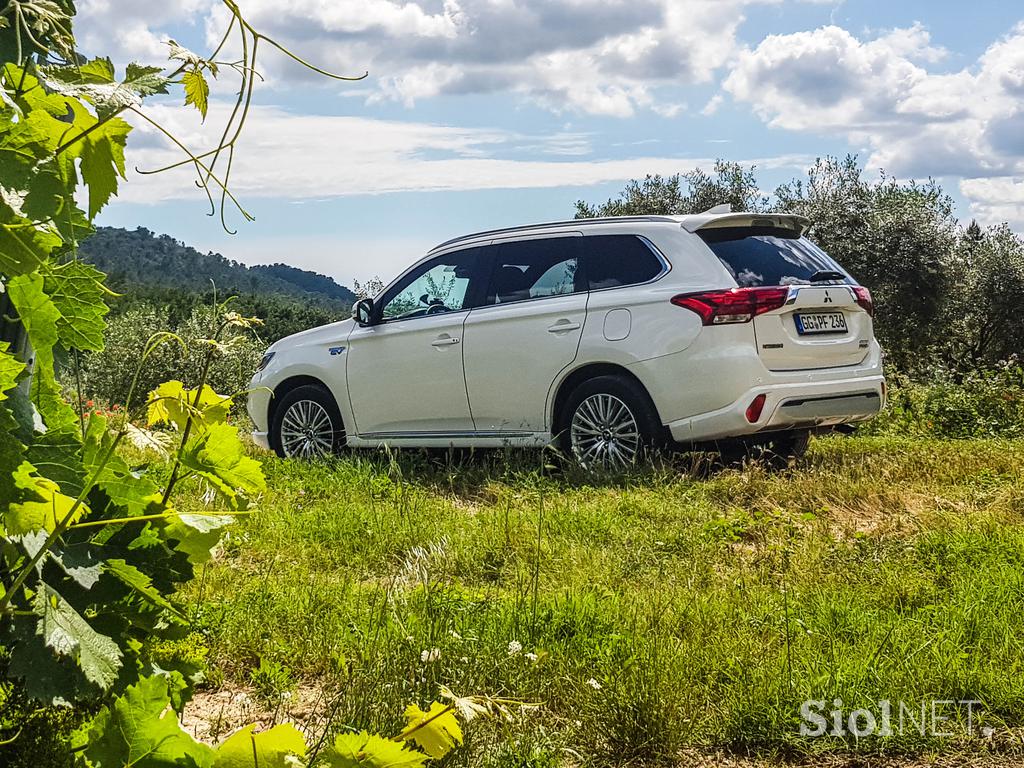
(405, 372)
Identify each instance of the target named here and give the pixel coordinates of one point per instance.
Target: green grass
(676, 608)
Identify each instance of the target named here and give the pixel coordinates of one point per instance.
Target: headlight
(267, 357)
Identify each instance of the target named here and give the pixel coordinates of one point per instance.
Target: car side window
(616, 260)
(441, 285)
(534, 269)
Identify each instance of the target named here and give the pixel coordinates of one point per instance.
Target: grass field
(680, 611)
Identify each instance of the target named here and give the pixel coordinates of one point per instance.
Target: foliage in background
(947, 297)
(106, 374)
(983, 403)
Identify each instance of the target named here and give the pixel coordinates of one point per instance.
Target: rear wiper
(825, 275)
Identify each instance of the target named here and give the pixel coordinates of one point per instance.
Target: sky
(479, 114)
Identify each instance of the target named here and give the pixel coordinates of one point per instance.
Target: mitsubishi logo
(828, 299)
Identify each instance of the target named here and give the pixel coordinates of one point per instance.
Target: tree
(896, 238)
(690, 192)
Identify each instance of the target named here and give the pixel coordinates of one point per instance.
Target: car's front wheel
(306, 424)
(609, 423)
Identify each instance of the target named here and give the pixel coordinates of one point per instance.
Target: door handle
(446, 341)
(563, 326)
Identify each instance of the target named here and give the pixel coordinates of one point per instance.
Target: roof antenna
(720, 208)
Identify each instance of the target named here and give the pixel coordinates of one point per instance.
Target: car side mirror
(362, 311)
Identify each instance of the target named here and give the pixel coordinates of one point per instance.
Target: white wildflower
(594, 684)
(430, 656)
(286, 695)
(531, 656)
(456, 635)
(514, 648)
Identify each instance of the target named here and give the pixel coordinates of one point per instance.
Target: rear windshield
(771, 256)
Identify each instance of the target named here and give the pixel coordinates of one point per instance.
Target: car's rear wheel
(609, 423)
(306, 424)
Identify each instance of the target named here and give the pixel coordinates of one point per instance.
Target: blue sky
(485, 113)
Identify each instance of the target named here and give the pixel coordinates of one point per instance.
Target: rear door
(525, 333)
(821, 325)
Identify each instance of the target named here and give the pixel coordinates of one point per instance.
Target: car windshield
(758, 256)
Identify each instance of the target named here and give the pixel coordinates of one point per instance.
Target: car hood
(319, 335)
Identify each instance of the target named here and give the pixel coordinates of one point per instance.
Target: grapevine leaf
(135, 579)
(170, 403)
(365, 750)
(45, 511)
(76, 289)
(197, 535)
(136, 493)
(435, 731)
(68, 634)
(141, 729)
(183, 54)
(56, 454)
(219, 458)
(274, 748)
(103, 162)
(145, 81)
(23, 248)
(96, 72)
(40, 317)
(197, 90)
(10, 368)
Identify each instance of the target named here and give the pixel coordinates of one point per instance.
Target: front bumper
(261, 439)
(801, 405)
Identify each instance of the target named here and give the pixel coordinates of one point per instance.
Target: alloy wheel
(306, 430)
(604, 433)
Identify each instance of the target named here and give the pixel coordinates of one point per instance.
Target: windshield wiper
(825, 275)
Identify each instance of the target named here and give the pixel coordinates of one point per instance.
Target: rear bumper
(800, 405)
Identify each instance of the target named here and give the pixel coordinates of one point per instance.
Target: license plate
(821, 322)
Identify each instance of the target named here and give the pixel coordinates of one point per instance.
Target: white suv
(609, 336)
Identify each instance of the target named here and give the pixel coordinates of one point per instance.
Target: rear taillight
(733, 305)
(864, 299)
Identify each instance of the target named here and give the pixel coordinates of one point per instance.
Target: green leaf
(197, 90)
(197, 535)
(44, 512)
(135, 493)
(219, 457)
(145, 81)
(23, 248)
(10, 369)
(274, 748)
(366, 750)
(76, 289)
(68, 634)
(435, 731)
(140, 729)
(135, 579)
(40, 318)
(103, 162)
(170, 403)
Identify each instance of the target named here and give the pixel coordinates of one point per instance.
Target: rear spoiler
(711, 220)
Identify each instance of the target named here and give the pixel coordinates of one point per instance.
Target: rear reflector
(864, 299)
(755, 408)
(732, 305)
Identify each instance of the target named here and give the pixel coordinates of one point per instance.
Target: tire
(313, 408)
(609, 423)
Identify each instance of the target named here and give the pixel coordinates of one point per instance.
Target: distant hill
(133, 258)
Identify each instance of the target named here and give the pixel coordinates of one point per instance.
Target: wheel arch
(294, 382)
(585, 373)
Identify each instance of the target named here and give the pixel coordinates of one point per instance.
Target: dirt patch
(212, 715)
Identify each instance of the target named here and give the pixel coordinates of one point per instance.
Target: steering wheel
(433, 309)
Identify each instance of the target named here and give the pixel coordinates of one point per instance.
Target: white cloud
(296, 156)
(881, 93)
(995, 200)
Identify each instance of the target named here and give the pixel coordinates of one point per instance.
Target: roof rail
(551, 224)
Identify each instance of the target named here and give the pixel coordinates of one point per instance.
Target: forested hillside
(143, 258)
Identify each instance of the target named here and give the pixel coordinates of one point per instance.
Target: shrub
(983, 403)
(106, 375)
